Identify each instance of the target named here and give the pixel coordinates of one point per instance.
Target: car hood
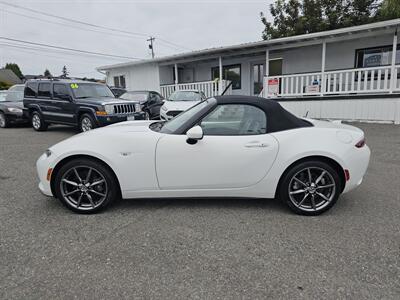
(179, 105)
(104, 100)
(15, 104)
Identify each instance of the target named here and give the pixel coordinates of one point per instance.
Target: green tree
(389, 9)
(64, 72)
(15, 68)
(293, 17)
(47, 73)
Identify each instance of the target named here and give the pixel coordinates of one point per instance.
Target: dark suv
(78, 103)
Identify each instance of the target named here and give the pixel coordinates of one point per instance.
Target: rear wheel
(4, 123)
(310, 188)
(86, 123)
(85, 186)
(38, 122)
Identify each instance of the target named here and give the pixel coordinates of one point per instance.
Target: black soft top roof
(278, 118)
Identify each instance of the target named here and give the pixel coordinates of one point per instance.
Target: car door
(64, 107)
(236, 151)
(45, 102)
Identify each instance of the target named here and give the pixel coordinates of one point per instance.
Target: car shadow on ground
(188, 203)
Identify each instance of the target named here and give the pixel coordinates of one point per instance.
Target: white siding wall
(140, 77)
(380, 109)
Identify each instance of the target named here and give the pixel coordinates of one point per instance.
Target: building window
(119, 81)
(258, 77)
(375, 57)
(231, 73)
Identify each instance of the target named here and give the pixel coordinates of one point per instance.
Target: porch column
(220, 77)
(265, 79)
(323, 81)
(176, 76)
(393, 75)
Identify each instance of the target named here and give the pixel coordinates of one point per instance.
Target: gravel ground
(214, 248)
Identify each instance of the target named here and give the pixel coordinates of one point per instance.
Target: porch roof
(311, 38)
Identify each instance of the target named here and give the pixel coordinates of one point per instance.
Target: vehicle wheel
(86, 123)
(85, 186)
(310, 188)
(37, 122)
(3, 121)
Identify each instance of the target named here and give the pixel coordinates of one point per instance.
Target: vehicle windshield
(134, 96)
(90, 90)
(11, 96)
(17, 88)
(185, 96)
(172, 125)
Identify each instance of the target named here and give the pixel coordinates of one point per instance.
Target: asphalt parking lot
(198, 248)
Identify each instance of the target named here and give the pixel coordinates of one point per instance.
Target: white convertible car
(229, 146)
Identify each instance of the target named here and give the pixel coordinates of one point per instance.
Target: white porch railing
(350, 81)
(209, 88)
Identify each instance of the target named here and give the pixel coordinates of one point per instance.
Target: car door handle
(256, 145)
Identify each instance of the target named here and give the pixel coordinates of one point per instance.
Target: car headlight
(164, 108)
(48, 152)
(109, 109)
(138, 107)
(15, 110)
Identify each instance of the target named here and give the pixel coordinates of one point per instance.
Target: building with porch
(351, 73)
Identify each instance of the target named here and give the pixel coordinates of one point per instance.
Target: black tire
(4, 123)
(38, 122)
(99, 172)
(87, 122)
(308, 202)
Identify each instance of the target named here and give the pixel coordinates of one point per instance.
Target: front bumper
(112, 119)
(17, 117)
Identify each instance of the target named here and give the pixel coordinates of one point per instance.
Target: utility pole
(151, 39)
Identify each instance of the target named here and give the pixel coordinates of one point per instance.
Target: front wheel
(3, 120)
(310, 188)
(85, 186)
(86, 123)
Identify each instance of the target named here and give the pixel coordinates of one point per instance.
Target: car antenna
(305, 116)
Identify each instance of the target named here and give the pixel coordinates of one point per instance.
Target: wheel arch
(85, 110)
(77, 156)
(333, 163)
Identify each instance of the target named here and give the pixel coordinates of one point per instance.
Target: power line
(68, 49)
(92, 25)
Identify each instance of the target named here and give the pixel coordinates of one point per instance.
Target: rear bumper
(357, 164)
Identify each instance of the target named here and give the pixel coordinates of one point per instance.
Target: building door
(275, 69)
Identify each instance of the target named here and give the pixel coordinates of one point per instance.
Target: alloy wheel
(312, 189)
(86, 124)
(36, 121)
(2, 120)
(83, 187)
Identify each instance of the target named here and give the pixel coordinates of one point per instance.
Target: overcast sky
(190, 24)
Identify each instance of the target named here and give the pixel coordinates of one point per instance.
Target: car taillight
(361, 143)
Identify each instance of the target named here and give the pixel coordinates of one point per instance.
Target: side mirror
(194, 134)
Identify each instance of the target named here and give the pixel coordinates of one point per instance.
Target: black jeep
(74, 102)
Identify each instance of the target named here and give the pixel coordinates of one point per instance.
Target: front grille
(174, 113)
(124, 108)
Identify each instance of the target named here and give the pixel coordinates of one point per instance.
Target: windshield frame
(111, 95)
(209, 105)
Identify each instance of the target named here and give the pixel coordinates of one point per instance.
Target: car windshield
(90, 90)
(185, 96)
(134, 96)
(17, 88)
(172, 125)
(11, 96)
